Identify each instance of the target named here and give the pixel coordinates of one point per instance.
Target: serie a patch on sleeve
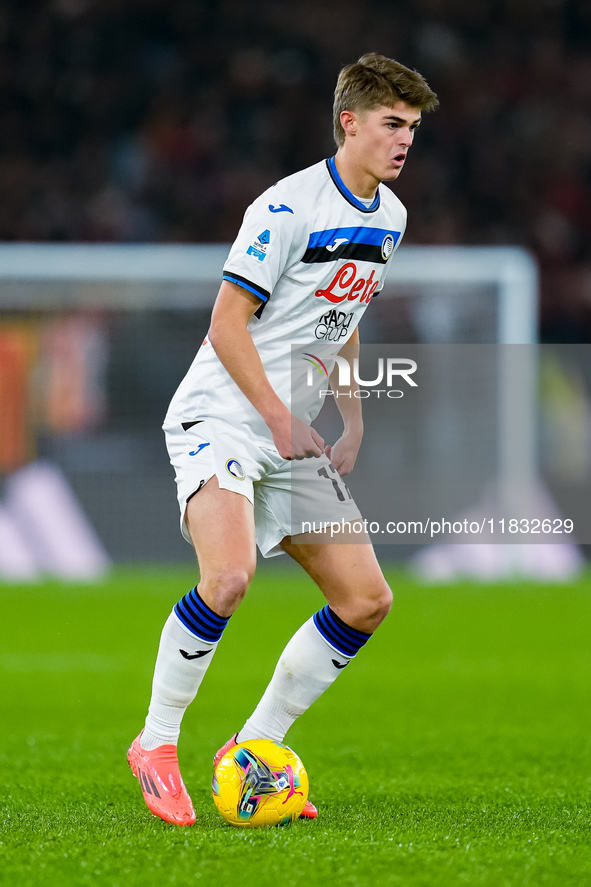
(259, 248)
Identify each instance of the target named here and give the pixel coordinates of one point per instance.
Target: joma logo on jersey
(346, 285)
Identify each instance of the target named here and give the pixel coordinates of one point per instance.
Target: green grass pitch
(455, 751)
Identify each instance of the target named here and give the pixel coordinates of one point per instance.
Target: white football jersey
(315, 255)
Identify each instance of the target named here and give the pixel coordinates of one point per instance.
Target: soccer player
(312, 252)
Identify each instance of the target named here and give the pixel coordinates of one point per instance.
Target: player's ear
(349, 122)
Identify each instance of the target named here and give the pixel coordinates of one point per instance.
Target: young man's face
(381, 138)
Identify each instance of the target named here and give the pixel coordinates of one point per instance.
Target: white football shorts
(287, 495)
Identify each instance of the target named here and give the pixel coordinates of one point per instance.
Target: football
(260, 783)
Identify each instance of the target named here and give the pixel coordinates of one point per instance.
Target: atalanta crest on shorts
(234, 468)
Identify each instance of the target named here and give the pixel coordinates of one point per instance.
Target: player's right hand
(298, 440)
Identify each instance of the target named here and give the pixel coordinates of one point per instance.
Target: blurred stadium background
(148, 122)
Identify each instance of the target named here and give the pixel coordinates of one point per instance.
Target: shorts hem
(272, 549)
(222, 485)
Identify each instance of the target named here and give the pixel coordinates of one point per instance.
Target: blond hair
(374, 82)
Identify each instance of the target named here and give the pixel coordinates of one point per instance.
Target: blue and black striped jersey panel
(246, 284)
(363, 244)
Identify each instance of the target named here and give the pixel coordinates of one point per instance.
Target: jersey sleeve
(267, 243)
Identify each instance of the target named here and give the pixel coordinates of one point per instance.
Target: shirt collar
(348, 195)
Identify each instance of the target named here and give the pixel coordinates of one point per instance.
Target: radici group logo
(389, 371)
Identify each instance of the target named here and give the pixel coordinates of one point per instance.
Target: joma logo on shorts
(198, 450)
(346, 285)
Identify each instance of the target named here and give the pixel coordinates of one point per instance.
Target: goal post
(511, 269)
(157, 292)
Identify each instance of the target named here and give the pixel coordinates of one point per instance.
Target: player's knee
(377, 605)
(227, 588)
(368, 607)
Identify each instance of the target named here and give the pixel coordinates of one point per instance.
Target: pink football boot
(162, 785)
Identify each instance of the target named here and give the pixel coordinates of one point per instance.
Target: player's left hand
(343, 453)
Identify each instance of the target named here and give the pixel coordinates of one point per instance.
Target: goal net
(94, 340)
